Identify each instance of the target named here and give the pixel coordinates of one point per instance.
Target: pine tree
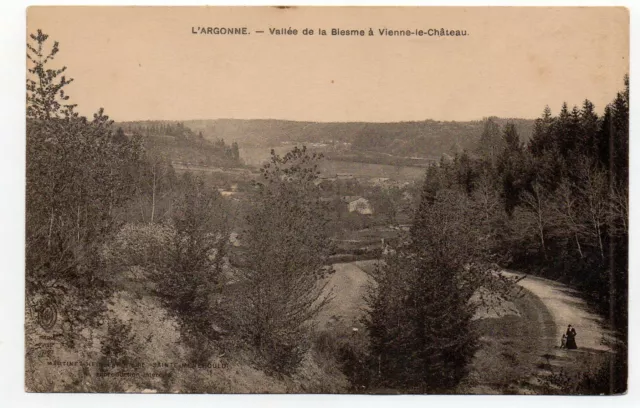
(589, 128)
(420, 318)
(620, 135)
(466, 173)
(510, 168)
(288, 247)
(561, 131)
(541, 137)
(490, 143)
(77, 177)
(191, 283)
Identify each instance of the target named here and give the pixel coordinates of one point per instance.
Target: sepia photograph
(326, 200)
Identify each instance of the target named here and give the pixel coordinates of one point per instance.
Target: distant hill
(428, 138)
(180, 144)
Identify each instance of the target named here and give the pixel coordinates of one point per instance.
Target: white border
(12, 165)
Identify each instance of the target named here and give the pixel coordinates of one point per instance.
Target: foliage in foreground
(190, 284)
(422, 306)
(78, 175)
(288, 246)
(600, 374)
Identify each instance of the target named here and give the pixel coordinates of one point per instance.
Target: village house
(358, 204)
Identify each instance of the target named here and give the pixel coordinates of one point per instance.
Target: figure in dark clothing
(571, 338)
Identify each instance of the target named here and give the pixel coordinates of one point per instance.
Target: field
(255, 156)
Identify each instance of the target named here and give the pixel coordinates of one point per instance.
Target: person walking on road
(571, 338)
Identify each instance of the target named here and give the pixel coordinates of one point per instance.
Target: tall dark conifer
(420, 319)
(510, 164)
(589, 129)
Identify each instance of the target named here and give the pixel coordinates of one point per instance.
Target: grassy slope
(157, 340)
(512, 347)
(348, 287)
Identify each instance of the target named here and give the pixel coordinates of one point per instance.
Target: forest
(130, 267)
(178, 143)
(555, 206)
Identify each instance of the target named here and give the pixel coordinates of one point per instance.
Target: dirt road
(518, 348)
(348, 286)
(563, 304)
(566, 308)
(557, 306)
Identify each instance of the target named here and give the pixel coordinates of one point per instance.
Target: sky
(142, 63)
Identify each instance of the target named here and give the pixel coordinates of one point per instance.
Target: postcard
(332, 200)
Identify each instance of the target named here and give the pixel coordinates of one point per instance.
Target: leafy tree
(535, 204)
(492, 219)
(567, 212)
(156, 183)
(386, 203)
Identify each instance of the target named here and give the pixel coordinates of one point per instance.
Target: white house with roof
(358, 204)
